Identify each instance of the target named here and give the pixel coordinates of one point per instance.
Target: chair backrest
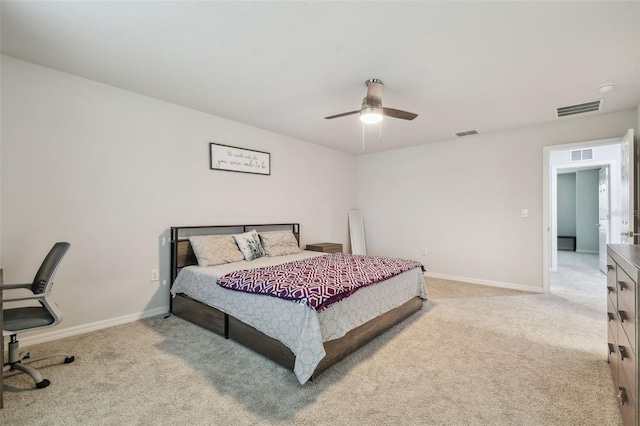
(44, 278)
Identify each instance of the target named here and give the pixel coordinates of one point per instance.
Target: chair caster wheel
(43, 384)
(69, 359)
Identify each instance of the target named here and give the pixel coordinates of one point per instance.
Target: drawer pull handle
(622, 395)
(610, 289)
(612, 349)
(622, 316)
(622, 285)
(609, 267)
(610, 315)
(622, 352)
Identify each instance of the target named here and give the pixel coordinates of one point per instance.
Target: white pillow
(211, 250)
(249, 245)
(279, 243)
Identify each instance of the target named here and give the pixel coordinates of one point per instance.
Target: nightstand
(325, 247)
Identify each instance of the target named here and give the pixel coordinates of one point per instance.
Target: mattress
(302, 329)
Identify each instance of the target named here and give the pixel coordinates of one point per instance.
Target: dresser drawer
(627, 307)
(627, 364)
(627, 266)
(613, 298)
(612, 316)
(612, 349)
(611, 281)
(614, 361)
(627, 403)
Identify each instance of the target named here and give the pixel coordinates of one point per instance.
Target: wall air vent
(466, 133)
(582, 154)
(579, 108)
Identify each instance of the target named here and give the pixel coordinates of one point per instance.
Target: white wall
(110, 171)
(587, 204)
(461, 199)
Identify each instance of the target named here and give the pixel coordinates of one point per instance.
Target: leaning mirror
(356, 229)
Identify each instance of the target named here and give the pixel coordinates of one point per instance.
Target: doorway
(613, 223)
(583, 212)
(583, 208)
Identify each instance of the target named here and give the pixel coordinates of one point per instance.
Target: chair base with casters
(19, 360)
(42, 313)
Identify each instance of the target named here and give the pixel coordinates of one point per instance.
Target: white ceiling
(283, 66)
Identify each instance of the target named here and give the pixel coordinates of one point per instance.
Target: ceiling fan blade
(344, 114)
(396, 113)
(374, 92)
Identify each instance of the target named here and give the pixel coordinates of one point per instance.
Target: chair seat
(17, 319)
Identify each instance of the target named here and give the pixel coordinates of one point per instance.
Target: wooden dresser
(623, 274)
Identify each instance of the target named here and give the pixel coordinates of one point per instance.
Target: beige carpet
(472, 356)
(445, 289)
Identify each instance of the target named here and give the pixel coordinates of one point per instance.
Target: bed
(292, 334)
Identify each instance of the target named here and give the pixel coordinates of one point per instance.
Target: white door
(603, 216)
(626, 189)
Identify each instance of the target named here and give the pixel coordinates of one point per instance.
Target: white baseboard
(587, 251)
(500, 284)
(57, 333)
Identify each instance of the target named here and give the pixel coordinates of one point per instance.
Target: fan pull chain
(380, 140)
(363, 136)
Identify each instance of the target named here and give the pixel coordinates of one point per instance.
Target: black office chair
(33, 317)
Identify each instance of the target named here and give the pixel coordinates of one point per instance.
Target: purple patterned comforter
(320, 281)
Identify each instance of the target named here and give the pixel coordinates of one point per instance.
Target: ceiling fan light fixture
(371, 115)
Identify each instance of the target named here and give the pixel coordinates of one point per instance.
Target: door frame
(549, 173)
(606, 229)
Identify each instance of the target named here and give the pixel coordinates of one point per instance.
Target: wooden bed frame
(231, 328)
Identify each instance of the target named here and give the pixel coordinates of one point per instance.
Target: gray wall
(587, 211)
(567, 204)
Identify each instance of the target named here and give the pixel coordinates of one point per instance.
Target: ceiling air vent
(579, 108)
(466, 133)
(582, 154)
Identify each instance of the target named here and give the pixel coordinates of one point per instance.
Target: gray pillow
(211, 250)
(279, 243)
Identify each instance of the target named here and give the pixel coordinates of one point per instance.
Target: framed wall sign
(234, 159)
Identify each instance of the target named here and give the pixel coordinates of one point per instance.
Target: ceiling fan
(372, 109)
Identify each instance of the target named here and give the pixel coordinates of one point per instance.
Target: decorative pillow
(249, 245)
(213, 250)
(279, 243)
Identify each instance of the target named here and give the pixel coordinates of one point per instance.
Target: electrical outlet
(424, 252)
(155, 275)
(524, 212)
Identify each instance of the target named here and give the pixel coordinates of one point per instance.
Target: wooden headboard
(182, 254)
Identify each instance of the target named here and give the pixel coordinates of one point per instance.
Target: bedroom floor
(473, 356)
